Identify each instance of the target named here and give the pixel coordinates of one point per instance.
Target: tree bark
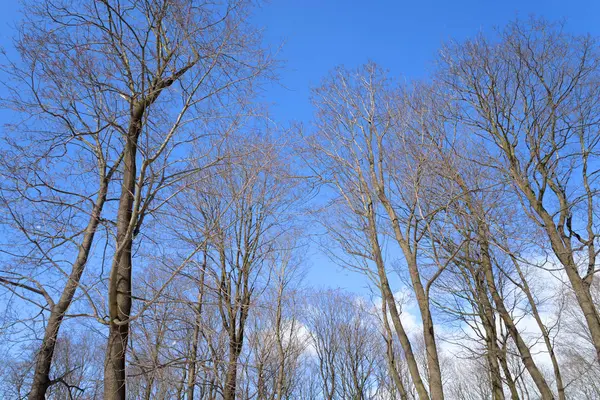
(482, 232)
(191, 382)
(489, 324)
(526, 357)
(433, 363)
(561, 246)
(41, 376)
(510, 382)
(388, 297)
(391, 360)
(279, 387)
(230, 386)
(119, 295)
(545, 334)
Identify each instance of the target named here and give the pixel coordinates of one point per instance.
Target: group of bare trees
(482, 182)
(155, 222)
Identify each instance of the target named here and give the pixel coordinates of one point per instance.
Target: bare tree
(379, 171)
(98, 70)
(246, 204)
(143, 193)
(533, 97)
(476, 219)
(347, 346)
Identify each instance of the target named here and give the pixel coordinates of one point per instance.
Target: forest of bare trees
(156, 223)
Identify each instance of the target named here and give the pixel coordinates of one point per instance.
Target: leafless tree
(360, 149)
(245, 204)
(533, 96)
(347, 345)
(125, 81)
(151, 215)
(476, 219)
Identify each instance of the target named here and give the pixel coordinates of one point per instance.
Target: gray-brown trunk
(391, 359)
(388, 297)
(41, 376)
(119, 294)
(230, 388)
(526, 357)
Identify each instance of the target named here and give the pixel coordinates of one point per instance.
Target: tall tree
(127, 81)
(363, 152)
(533, 97)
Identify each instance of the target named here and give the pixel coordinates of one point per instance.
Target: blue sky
(402, 36)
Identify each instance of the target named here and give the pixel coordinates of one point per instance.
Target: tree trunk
(41, 376)
(388, 297)
(510, 382)
(561, 246)
(119, 294)
(486, 264)
(230, 388)
(545, 334)
(191, 383)
(489, 324)
(433, 363)
(279, 387)
(586, 303)
(191, 378)
(391, 360)
(526, 357)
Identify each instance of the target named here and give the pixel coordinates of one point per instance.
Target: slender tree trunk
(149, 385)
(119, 286)
(489, 325)
(119, 295)
(181, 385)
(510, 382)
(191, 383)
(230, 388)
(486, 264)
(191, 375)
(433, 362)
(388, 297)
(391, 360)
(545, 334)
(279, 386)
(526, 357)
(586, 303)
(561, 246)
(41, 376)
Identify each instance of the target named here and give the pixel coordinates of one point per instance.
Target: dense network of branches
(156, 224)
